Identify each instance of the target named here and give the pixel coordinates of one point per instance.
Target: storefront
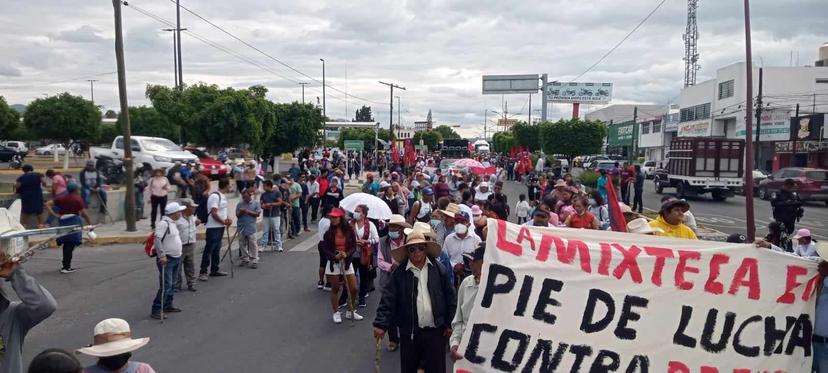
(622, 139)
(811, 147)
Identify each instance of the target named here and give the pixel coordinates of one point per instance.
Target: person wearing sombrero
(446, 223)
(387, 264)
(420, 301)
(671, 220)
(113, 345)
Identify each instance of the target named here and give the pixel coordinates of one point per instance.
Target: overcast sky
(437, 49)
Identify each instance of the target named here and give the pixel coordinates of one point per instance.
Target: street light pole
(303, 91)
(175, 54)
(92, 89)
(391, 111)
(485, 125)
(751, 224)
(178, 34)
(399, 116)
(324, 112)
(122, 95)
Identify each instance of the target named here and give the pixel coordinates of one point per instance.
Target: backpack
(149, 243)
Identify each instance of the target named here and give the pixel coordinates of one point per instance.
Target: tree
(146, 121)
(446, 132)
(430, 139)
(503, 142)
(364, 134)
(9, 118)
(526, 135)
(363, 114)
(572, 137)
(63, 117)
(293, 126)
(110, 114)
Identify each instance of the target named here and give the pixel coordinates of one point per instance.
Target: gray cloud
(9, 70)
(83, 34)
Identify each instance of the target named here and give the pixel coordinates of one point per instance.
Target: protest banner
(569, 300)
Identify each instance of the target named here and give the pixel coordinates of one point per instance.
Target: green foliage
(110, 114)
(526, 135)
(107, 134)
(431, 139)
(572, 137)
(9, 118)
(146, 121)
(503, 142)
(447, 132)
(363, 114)
(293, 126)
(589, 178)
(364, 134)
(63, 117)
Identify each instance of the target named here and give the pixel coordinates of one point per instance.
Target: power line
(85, 77)
(271, 57)
(621, 42)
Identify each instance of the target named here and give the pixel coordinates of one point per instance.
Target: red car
(811, 183)
(212, 168)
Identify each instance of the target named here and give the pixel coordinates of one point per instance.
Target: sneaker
(65, 270)
(280, 249)
(327, 287)
(362, 304)
(254, 265)
(158, 316)
(337, 318)
(171, 310)
(343, 305)
(202, 277)
(349, 315)
(320, 285)
(218, 274)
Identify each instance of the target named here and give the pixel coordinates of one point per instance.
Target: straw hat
(416, 238)
(451, 209)
(561, 184)
(641, 226)
(397, 219)
(822, 249)
(424, 228)
(625, 208)
(113, 337)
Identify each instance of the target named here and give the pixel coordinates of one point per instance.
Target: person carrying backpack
(217, 220)
(168, 250)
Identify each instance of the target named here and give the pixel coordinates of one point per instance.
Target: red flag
(520, 149)
(410, 153)
(512, 153)
(395, 154)
(617, 221)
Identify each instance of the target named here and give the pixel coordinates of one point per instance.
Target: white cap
(172, 208)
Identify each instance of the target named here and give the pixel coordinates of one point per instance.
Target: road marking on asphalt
(309, 242)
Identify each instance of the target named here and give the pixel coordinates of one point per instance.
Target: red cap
(336, 212)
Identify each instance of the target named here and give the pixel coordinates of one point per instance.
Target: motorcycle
(17, 161)
(111, 169)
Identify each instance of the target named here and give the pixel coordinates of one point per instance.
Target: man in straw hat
(446, 225)
(419, 300)
(642, 226)
(387, 264)
(168, 250)
(18, 317)
(671, 220)
(113, 346)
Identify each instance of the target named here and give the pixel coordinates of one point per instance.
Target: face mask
(461, 229)
(114, 363)
(435, 223)
(592, 202)
(358, 216)
(394, 235)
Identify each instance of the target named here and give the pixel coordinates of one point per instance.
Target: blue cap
(428, 191)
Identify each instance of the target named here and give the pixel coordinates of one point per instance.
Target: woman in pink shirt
(159, 186)
(58, 183)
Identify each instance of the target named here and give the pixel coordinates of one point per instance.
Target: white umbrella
(377, 208)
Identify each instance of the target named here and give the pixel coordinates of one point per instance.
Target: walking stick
(227, 253)
(163, 292)
(377, 355)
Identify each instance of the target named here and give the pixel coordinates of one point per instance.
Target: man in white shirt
(186, 225)
(804, 246)
(168, 258)
(460, 242)
(466, 294)
(216, 221)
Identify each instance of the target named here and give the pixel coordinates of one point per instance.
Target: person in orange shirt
(581, 218)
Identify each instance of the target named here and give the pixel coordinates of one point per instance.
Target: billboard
(622, 134)
(590, 93)
(510, 84)
(507, 122)
(807, 127)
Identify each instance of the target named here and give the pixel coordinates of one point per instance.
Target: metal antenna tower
(691, 48)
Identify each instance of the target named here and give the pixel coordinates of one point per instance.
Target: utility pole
(92, 89)
(544, 97)
(178, 33)
(795, 136)
(485, 125)
(175, 54)
(122, 94)
(303, 91)
(391, 111)
(530, 109)
(758, 150)
(634, 137)
(751, 224)
(399, 117)
(324, 112)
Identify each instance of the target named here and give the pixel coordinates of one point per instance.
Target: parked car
(18, 146)
(212, 168)
(604, 165)
(758, 176)
(811, 183)
(158, 152)
(51, 149)
(6, 153)
(648, 169)
(589, 161)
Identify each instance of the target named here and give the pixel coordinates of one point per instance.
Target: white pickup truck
(156, 151)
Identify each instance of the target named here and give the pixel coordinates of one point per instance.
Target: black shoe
(191, 288)
(362, 304)
(172, 310)
(158, 316)
(218, 274)
(320, 285)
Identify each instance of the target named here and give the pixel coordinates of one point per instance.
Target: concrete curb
(42, 170)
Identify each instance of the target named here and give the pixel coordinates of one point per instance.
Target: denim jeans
(271, 232)
(820, 357)
(210, 258)
(166, 283)
(85, 192)
(295, 221)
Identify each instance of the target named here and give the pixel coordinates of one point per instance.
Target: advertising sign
(510, 84)
(577, 300)
(808, 127)
(621, 134)
(588, 93)
(775, 126)
(507, 122)
(694, 129)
